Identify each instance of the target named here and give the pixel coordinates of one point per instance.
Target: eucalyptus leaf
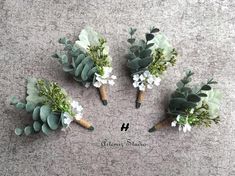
(149, 36)
(29, 107)
(14, 100)
(45, 129)
(131, 40)
(53, 121)
(193, 98)
(19, 131)
(37, 126)
(44, 112)
(67, 68)
(20, 105)
(28, 130)
(206, 87)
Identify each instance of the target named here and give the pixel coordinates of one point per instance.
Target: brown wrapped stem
(103, 94)
(162, 124)
(140, 98)
(84, 123)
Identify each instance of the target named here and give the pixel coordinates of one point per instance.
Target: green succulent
(153, 54)
(47, 102)
(193, 102)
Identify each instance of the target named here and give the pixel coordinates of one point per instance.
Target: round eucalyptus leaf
(53, 121)
(19, 131)
(28, 130)
(36, 113)
(45, 112)
(14, 100)
(29, 107)
(84, 74)
(20, 105)
(206, 87)
(79, 69)
(45, 129)
(193, 98)
(67, 68)
(37, 126)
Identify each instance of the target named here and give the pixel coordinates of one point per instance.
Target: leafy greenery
(153, 53)
(98, 55)
(55, 96)
(160, 63)
(191, 102)
(47, 102)
(84, 57)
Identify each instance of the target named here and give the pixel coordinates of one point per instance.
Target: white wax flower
(145, 80)
(106, 78)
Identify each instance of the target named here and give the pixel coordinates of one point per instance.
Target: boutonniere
(88, 61)
(192, 106)
(50, 106)
(148, 59)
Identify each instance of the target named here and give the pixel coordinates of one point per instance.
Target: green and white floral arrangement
(148, 59)
(192, 105)
(88, 60)
(50, 106)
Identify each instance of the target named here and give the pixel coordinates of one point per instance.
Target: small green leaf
(79, 69)
(145, 62)
(45, 129)
(36, 113)
(67, 68)
(20, 105)
(149, 45)
(63, 40)
(131, 40)
(177, 94)
(145, 53)
(53, 121)
(64, 59)
(92, 71)
(134, 48)
(134, 64)
(45, 112)
(180, 84)
(149, 36)
(79, 59)
(55, 55)
(37, 126)
(206, 87)
(14, 100)
(154, 30)
(28, 130)
(132, 31)
(29, 107)
(202, 95)
(18, 131)
(193, 98)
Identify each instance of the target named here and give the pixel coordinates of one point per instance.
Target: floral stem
(103, 94)
(162, 124)
(139, 99)
(84, 123)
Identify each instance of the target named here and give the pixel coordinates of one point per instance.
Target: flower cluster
(77, 109)
(144, 80)
(106, 78)
(185, 126)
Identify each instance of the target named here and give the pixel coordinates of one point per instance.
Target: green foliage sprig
(47, 103)
(55, 96)
(84, 57)
(143, 57)
(98, 55)
(191, 103)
